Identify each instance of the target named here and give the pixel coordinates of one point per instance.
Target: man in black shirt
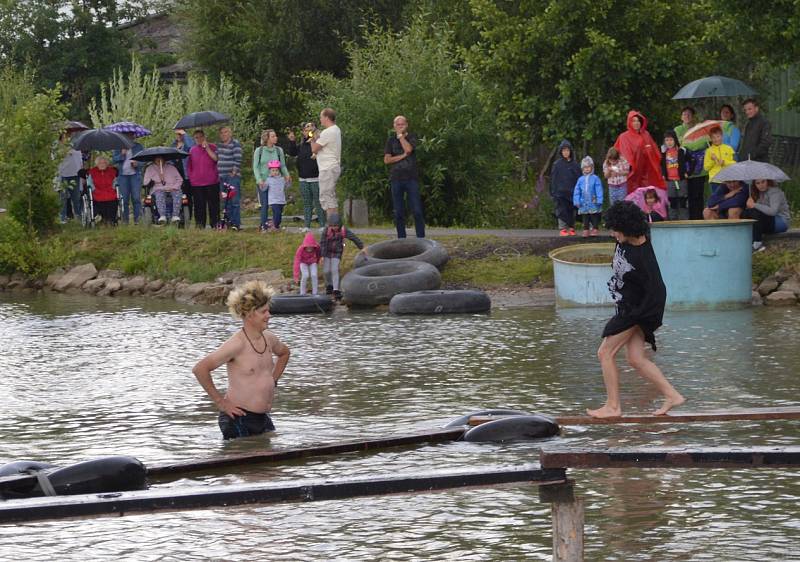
(400, 155)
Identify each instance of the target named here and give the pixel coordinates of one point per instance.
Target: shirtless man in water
(252, 373)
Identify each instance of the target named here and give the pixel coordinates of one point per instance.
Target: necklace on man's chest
(253, 346)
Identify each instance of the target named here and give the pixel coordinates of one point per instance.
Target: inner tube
(106, 474)
(534, 426)
(413, 249)
(376, 284)
(300, 304)
(464, 420)
(440, 302)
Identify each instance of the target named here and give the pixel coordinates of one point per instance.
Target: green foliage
(143, 98)
(573, 68)
(29, 126)
(75, 43)
(413, 73)
(21, 252)
(267, 45)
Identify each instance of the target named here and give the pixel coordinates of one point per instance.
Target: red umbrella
(701, 130)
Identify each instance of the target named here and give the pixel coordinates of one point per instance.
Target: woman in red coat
(642, 152)
(104, 195)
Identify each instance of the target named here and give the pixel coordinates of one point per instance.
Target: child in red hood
(306, 259)
(637, 146)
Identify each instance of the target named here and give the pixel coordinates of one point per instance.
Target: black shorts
(251, 423)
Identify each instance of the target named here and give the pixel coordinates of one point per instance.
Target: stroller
(150, 210)
(228, 192)
(88, 217)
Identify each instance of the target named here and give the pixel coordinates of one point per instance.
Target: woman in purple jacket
(201, 166)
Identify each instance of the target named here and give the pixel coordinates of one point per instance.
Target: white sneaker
(304, 229)
(176, 219)
(98, 218)
(758, 246)
(162, 220)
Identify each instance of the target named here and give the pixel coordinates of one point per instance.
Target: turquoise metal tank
(579, 283)
(705, 264)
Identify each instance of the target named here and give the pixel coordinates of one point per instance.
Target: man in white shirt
(328, 151)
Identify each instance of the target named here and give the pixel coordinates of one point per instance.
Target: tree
(573, 68)
(30, 123)
(75, 43)
(413, 73)
(266, 46)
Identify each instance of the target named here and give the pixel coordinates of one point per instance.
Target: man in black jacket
(757, 134)
(309, 173)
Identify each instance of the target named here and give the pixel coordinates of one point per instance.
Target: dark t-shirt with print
(405, 169)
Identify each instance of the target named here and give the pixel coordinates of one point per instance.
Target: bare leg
(650, 371)
(607, 354)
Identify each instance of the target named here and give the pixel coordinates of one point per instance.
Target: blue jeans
(263, 199)
(410, 187)
(130, 189)
(70, 194)
(233, 207)
(277, 214)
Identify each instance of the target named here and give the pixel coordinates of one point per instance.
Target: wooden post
(567, 521)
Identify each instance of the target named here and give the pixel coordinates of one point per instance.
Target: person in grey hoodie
(563, 176)
(768, 207)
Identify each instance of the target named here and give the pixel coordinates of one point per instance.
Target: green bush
(22, 252)
(416, 74)
(29, 126)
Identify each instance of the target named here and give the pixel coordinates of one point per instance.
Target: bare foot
(669, 403)
(605, 412)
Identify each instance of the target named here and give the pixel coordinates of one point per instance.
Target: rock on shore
(87, 279)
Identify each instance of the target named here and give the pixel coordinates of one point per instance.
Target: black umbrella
(714, 87)
(100, 139)
(201, 119)
(165, 152)
(74, 126)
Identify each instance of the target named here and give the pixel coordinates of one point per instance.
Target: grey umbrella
(749, 170)
(100, 139)
(714, 87)
(201, 119)
(165, 152)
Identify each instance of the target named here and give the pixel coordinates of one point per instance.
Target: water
(86, 377)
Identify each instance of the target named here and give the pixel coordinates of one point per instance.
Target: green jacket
(261, 159)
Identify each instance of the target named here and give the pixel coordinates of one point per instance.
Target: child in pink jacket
(306, 259)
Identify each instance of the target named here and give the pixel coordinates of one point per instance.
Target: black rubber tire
(300, 304)
(404, 249)
(463, 420)
(441, 302)
(533, 426)
(376, 284)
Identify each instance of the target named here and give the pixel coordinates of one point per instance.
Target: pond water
(85, 377)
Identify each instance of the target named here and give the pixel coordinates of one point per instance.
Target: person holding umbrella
(202, 169)
(695, 171)
(165, 179)
(768, 207)
(129, 179)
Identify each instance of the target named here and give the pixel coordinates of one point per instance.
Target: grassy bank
(202, 255)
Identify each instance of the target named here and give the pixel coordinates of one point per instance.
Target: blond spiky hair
(250, 296)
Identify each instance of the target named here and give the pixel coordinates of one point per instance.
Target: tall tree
(72, 42)
(267, 46)
(555, 68)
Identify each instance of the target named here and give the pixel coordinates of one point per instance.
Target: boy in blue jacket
(563, 175)
(587, 196)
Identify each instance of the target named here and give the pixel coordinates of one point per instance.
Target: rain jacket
(564, 173)
(301, 256)
(721, 151)
(642, 153)
(587, 195)
(660, 207)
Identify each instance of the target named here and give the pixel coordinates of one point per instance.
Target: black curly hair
(626, 217)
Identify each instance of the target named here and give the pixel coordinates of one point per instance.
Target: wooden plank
(666, 457)
(678, 416)
(436, 436)
(121, 503)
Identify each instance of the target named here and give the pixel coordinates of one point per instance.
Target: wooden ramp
(121, 503)
(435, 436)
(677, 416)
(671, 457)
